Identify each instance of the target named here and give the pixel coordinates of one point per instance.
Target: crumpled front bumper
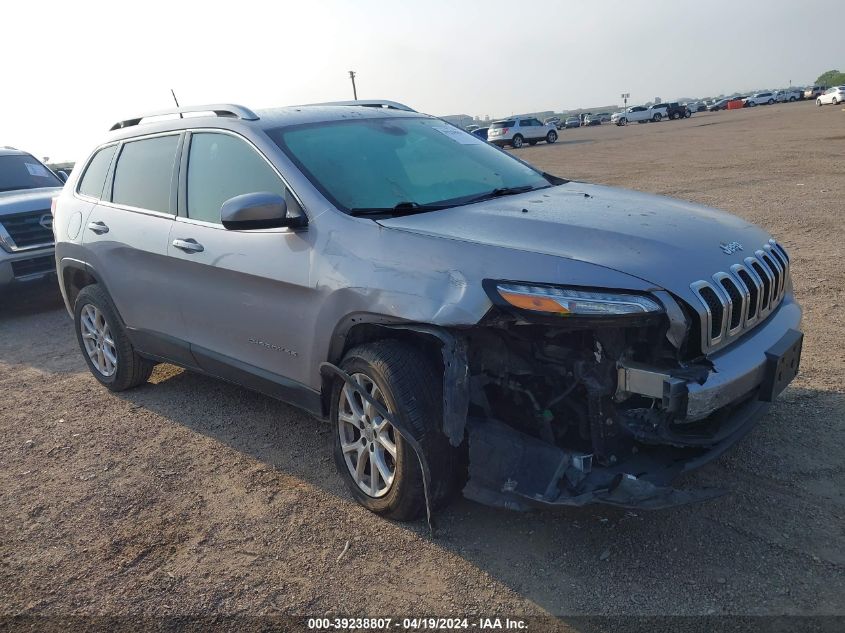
(512, 470)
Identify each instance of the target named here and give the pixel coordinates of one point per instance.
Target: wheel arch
(74, 276)
(357, 330)
(446, 349)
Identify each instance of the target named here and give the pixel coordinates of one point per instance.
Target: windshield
(22, 171)
(409, 162)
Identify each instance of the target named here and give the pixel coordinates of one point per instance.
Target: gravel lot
(192, 496)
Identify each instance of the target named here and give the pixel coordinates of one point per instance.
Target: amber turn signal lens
(533, 302)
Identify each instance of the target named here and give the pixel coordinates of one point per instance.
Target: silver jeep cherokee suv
(27, 187)
(464, 320)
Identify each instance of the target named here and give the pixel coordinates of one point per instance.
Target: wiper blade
(402, 208)
(502, 191)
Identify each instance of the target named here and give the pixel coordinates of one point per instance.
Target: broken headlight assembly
(589, 304)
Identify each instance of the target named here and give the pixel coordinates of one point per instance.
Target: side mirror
(259, 210)
(62, 175)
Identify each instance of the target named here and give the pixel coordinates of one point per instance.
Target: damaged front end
(568, 409)
(576, 407)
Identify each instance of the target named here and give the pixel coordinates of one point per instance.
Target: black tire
(687, 114)
(835, 101)
(657, 117)
(771, 101)
(412, 388)
(516, 141)
(132, 370)
(551, 137)
(623, 121)
(819, 102)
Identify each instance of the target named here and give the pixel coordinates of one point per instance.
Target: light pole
(354, 90)
(625, 96)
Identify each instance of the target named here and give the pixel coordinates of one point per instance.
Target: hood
(24, 200)
(663, 241)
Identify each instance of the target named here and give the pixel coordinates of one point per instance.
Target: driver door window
(220, 167)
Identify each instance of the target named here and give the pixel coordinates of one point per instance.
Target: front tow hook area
(510, 469)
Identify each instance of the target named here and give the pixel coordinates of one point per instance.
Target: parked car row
(510, 131)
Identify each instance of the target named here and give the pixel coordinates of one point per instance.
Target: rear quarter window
(94, 179)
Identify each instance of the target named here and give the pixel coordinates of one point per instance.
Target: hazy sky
(71, 69)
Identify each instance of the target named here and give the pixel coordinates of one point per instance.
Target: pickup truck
(640, 114)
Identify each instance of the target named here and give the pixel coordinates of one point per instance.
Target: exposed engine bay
(571, 415)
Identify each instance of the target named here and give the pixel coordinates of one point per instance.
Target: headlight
(575, 302)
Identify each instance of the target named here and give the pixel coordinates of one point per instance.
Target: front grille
(735, 301)
(26, 229)
(34, 266)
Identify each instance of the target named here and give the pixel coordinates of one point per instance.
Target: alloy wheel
(367, 440)
(98, 340)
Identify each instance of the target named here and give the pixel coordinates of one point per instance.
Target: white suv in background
(761, 98)
(520, 130)
(834, 96)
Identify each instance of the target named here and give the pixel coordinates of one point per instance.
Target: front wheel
(687, 114)
(517, 141)
(381, 470)
(551, 137)
(107, 350)
(622, 122)
(819, 102)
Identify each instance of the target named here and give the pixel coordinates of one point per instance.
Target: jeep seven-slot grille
(26, 229)
(738, 299)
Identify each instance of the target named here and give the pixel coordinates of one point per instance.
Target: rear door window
(144, 174)
(222, 166)
(94, 178)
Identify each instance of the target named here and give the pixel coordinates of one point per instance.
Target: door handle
(188, 245)
(98, 227)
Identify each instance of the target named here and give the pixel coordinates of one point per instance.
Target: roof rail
(219, 109)
(368, 103)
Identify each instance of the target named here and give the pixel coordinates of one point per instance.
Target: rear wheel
(771, 101)
(551, 137)
(106, 348)
(517, 141)
(657, 117)
(835, 101)
(380, 469)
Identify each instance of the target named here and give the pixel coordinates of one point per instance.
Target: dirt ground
(192, 496)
